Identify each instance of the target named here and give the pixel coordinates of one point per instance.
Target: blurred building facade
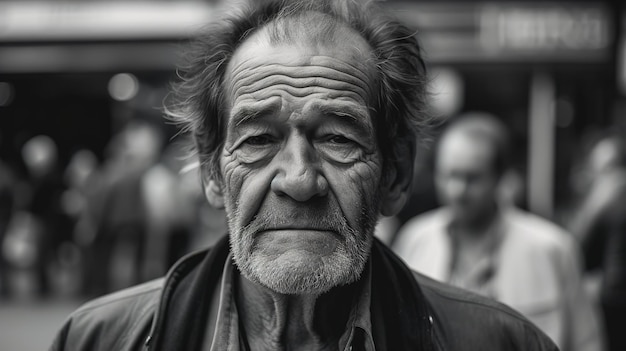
(550, 69)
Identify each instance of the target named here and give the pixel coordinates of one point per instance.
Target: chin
(304, 275)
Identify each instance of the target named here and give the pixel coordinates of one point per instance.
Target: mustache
(328, 218)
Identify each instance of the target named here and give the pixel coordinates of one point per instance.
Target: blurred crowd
(93, 226)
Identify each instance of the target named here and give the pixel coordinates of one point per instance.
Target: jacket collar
(180, 320)
(400, 315)
(225, 328)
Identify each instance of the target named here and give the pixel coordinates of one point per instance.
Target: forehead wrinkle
(311, 63)
(262, 72)
(286, 92)
(357, 65)
(303, 86)
(345, 80)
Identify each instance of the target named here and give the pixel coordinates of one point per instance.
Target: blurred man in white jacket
(478, 243)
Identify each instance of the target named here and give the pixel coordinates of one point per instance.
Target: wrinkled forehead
(312, 41)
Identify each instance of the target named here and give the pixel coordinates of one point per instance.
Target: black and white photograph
(312, 175)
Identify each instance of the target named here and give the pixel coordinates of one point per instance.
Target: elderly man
(479, 243)
(303, 115)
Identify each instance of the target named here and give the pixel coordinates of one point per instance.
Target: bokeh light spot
(123, 86)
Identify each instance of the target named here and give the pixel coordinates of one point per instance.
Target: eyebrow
(246, 114)
(355, 115)
(349, 113)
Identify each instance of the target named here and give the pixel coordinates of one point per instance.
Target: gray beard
(343, 267)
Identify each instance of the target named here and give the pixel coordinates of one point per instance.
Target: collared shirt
(223, 328)
(479, 278)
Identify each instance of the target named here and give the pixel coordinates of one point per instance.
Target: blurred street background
(32, 325)
(96, 194)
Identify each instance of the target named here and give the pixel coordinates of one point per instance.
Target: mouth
(300, 230)
(318, 241)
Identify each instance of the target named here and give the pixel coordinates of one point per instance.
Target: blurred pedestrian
(600, 224)
(485, 245)
(115, 223)
(176, 210)
(78, 178)
(44, 206)
(7, 194)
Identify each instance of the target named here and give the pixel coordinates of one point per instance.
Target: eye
(260, 140)
(338, 139)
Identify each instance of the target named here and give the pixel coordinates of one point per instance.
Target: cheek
(354, 185)
(233, 174)
(445, 188)
(246, 187)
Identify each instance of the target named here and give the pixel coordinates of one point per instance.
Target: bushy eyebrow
(345, 112)
(248, 113)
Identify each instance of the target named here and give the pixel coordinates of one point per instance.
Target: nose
(299, 175)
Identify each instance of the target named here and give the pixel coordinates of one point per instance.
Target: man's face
(301, 167)
(465, 176)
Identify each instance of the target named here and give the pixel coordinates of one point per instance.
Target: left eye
(338, 139)
(339, 148)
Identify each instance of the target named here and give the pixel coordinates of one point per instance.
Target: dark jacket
(408, 311)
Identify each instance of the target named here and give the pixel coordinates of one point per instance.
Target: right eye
(260, 140)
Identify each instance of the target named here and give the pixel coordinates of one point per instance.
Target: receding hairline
(304, 37)
(481, 129)
(309, 27)
(477, 124)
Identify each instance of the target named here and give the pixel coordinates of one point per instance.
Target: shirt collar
(360, 320)
(480, 278)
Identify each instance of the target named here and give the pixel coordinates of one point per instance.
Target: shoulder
(447, 299)
(110, 305)
(112, 321)
(529, 229)
(433, 219)
(466, 321)
(422, 227)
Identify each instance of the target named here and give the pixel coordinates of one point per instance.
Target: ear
(213, 192)
(397, 187)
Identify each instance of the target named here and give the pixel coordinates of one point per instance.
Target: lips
(321, 214)
(282, 241)
(292, 232)
(320, 229)
(321, 224)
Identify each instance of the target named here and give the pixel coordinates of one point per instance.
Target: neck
(478, 226)
(274, 321)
